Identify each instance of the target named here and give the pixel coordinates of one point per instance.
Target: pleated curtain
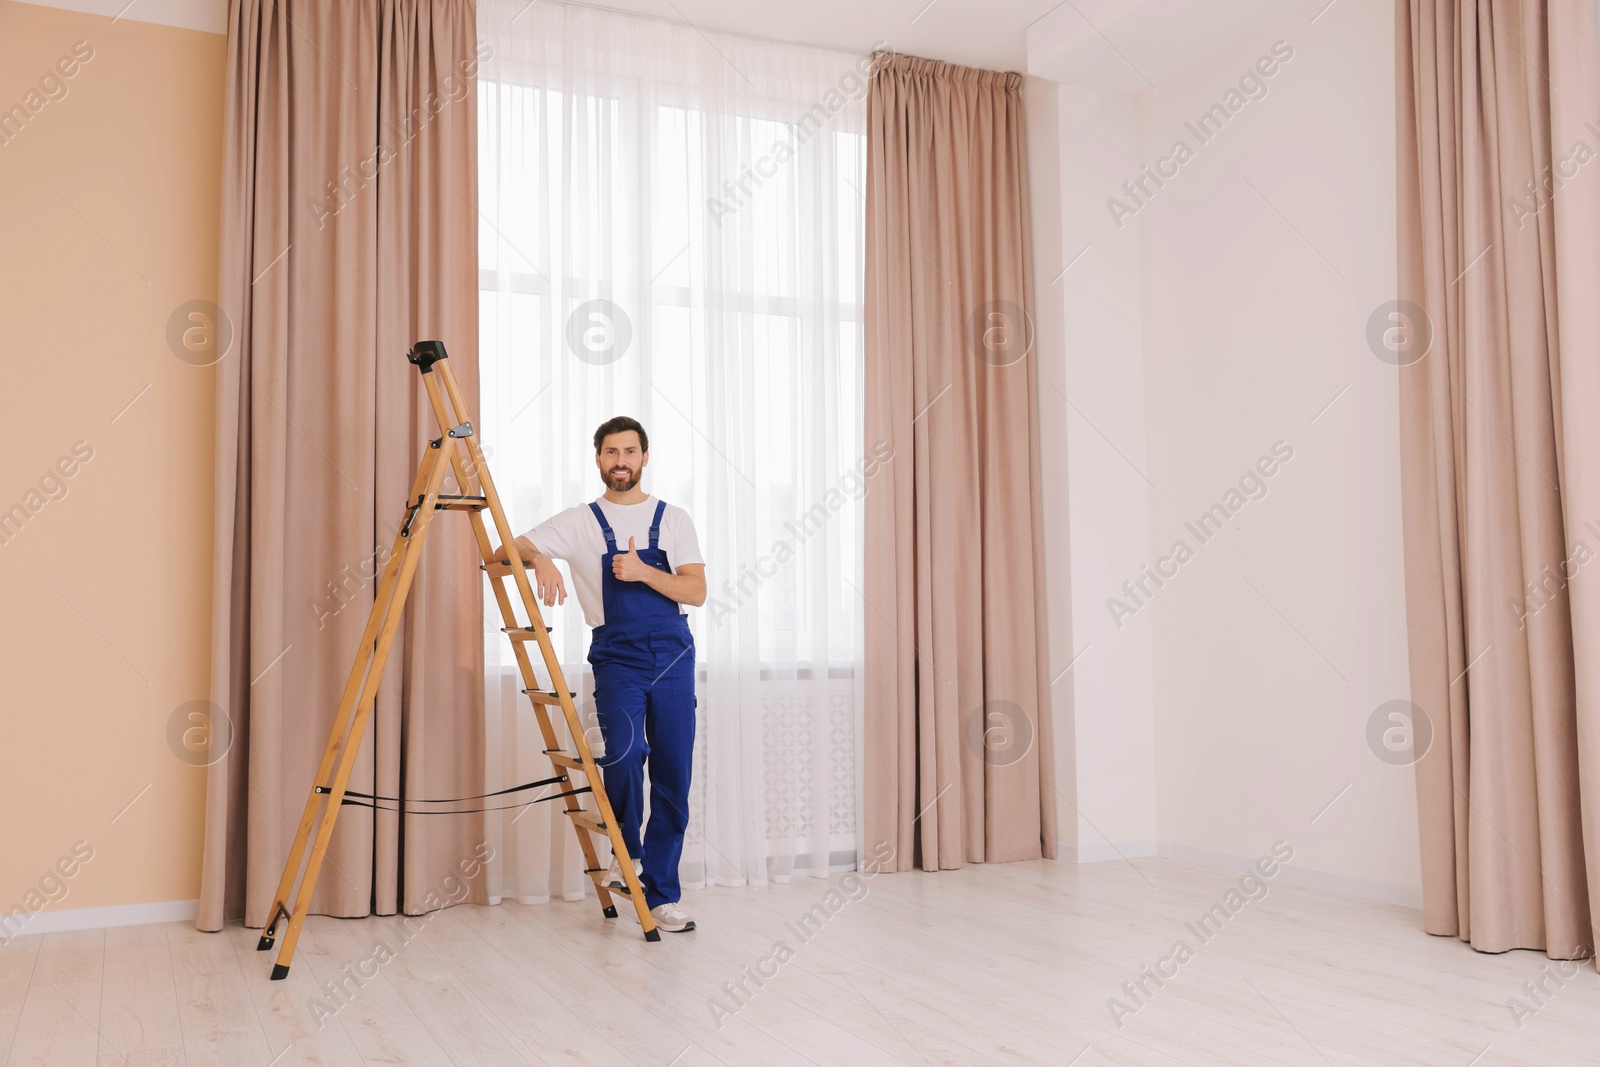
(348, 232)
(956, 721)
(1499, 269)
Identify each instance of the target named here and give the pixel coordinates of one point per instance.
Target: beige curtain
(348, 232)
(957, 727)
(1501, 462)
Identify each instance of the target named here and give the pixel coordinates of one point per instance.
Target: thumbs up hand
(628, 567)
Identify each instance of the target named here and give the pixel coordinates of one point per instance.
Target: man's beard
(620, 483)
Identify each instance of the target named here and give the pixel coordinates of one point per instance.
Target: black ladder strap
(448, 800)
(467, 811)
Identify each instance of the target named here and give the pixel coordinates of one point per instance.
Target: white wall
(1041, 113)
(1221, 318)
(1103, 393)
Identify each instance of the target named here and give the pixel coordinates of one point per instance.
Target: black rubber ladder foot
(609, 911)
(652, 935)
(265, 943)
(280, 971)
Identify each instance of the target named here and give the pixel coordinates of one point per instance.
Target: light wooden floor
(999, 964)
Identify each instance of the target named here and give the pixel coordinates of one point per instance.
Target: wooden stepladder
(456, 449)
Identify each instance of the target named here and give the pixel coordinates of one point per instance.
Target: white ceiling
(208, 15)
(1115, 44)
(980, 33)
(1130, 45)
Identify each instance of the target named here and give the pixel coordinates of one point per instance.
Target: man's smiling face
(621, 461)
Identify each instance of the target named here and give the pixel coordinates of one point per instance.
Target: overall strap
(655, 523)
(605, 527)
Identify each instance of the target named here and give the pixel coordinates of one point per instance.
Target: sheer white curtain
(671, 229)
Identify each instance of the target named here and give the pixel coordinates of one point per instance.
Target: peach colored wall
(108, 222)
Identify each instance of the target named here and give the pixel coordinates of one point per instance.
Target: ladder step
(500, 567)
(565, 759)
(453, 503)
(598, 877)
(543, 696)
(588, 820)
(599, 873)
(524, 633)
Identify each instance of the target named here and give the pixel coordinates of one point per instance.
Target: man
(636, 563)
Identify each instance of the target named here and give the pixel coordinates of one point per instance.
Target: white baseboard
(1108, 850)
(1345, 885)
(1406, 896)
(51, 922)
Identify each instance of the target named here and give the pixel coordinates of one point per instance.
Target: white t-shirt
(574, 535)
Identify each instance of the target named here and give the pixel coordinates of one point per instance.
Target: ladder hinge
(464, 430)
(411, 516)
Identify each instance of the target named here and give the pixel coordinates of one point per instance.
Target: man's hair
(620, 424)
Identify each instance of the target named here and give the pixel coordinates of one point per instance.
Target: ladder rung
(523, 633)
(445, 502)
(545, 696)
(587, 820)
(565, 759)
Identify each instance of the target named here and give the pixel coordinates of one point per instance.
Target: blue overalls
(643, 660)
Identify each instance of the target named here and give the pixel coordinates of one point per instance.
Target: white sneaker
(614, 874)
(671, 918)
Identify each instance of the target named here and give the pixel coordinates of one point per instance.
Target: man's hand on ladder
(548, 583)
